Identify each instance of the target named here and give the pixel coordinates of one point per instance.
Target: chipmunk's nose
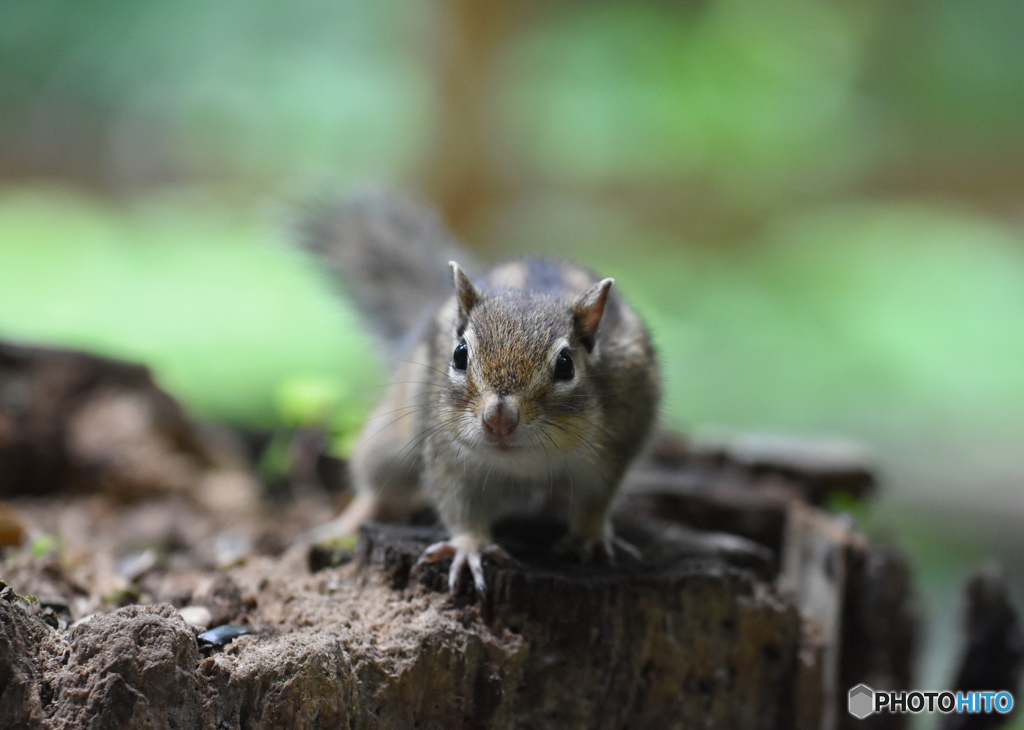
(500, 418)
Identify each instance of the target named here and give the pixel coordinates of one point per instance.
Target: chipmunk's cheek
(564, 437)
(567, 432)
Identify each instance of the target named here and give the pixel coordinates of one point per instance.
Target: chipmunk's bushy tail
(391, 256)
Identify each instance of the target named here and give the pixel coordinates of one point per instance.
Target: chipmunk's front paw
(607, 549)
(465, 551)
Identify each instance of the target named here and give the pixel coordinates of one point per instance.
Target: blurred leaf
(746, 94)
(43, 544)
(307, 401)
(203, 293)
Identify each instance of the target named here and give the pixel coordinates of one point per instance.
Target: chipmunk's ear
(467, 294)
(587, 311)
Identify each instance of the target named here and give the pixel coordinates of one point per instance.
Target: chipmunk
(527, 390)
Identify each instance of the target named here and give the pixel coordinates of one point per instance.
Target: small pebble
(136, 564)
(82, 606)
(196, 615)
(220, 635)
(82, 620)
(230, 549)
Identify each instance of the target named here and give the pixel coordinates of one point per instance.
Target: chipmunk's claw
(464, 553)
(606, 549)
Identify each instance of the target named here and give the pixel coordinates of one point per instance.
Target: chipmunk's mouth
(502, 445)
(513, 443)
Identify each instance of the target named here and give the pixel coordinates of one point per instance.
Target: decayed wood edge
(814, 576)
(815, 468)
(993, 652)
(856, 595)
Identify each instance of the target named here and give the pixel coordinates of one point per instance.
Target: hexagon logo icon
(861, 701)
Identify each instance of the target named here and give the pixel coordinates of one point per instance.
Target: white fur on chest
(527, 480)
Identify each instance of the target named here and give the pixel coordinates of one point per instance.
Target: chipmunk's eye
(564, 367)
(460, 357)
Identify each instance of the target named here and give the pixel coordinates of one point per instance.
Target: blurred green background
(818, 206)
